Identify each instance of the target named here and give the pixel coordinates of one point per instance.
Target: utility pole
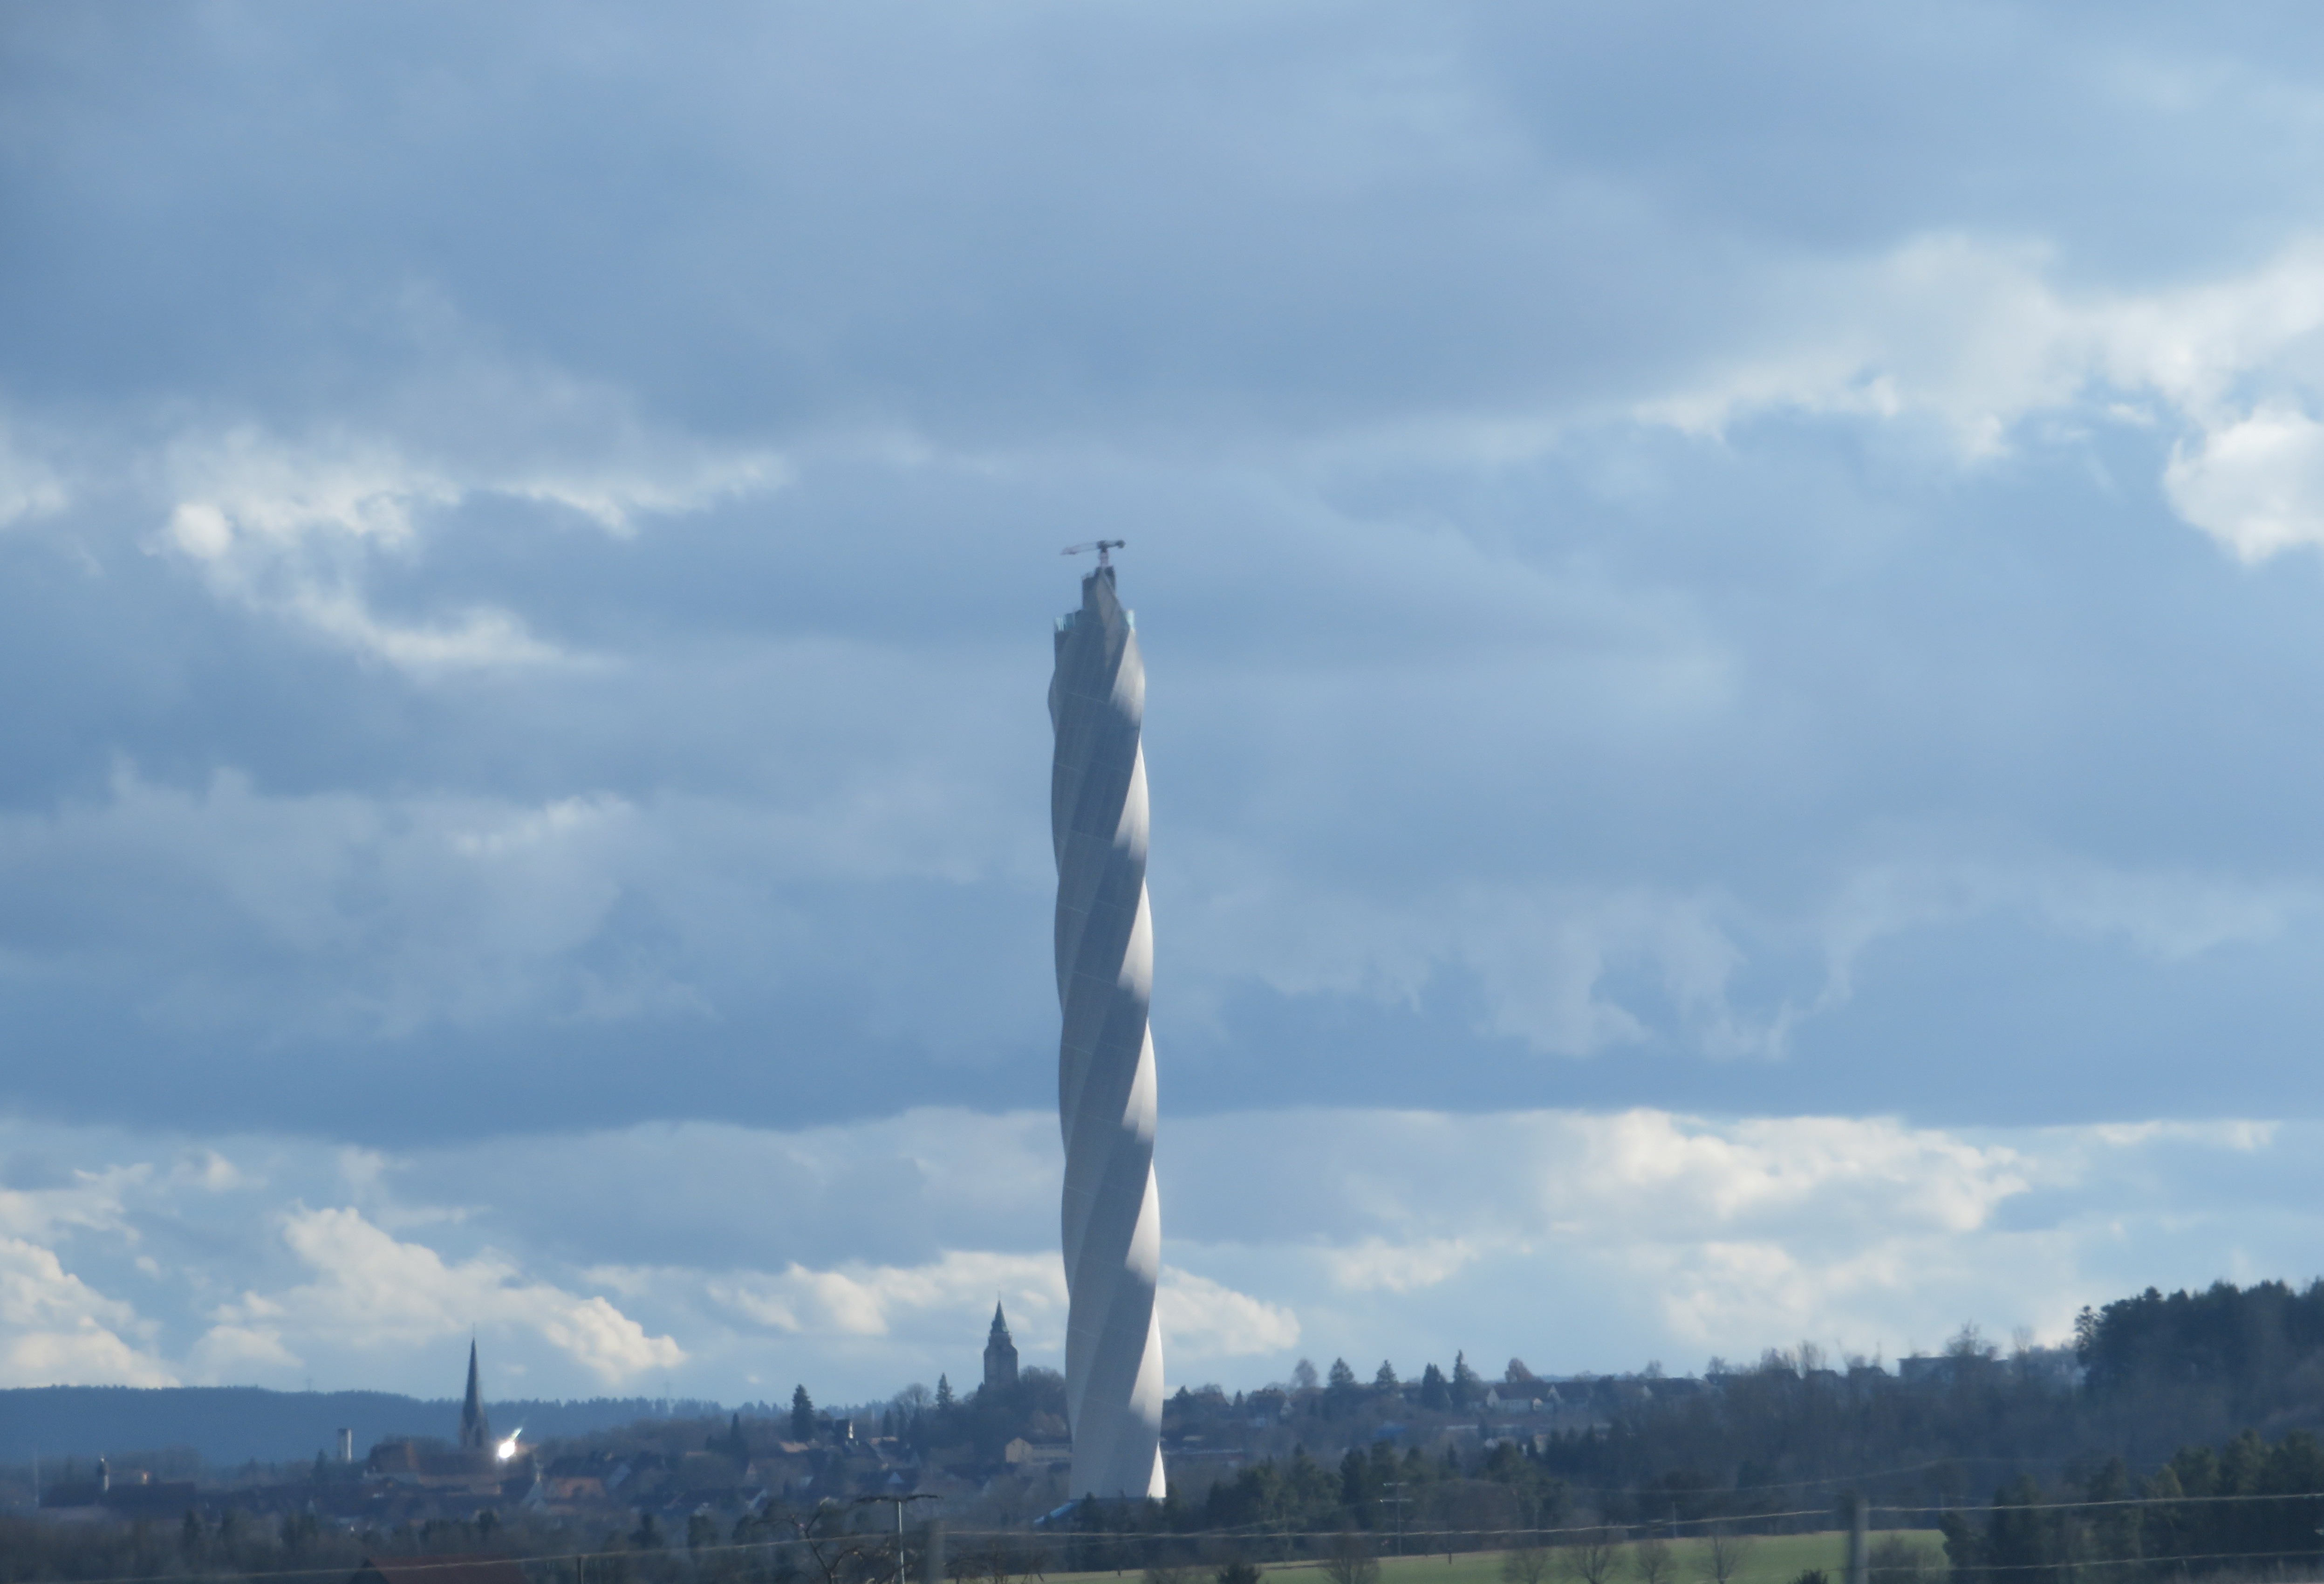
(1858, 1511)
(900, 1502)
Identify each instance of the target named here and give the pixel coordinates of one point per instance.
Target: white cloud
(292, 528)
(373, 1293)
(55, 1330)
(245, 491)
(288, 529)
(1573, 1239)
(92, 1199)
(1650, 1167)
(615, 496)
(2255, 484)
(873, 1301)
(1974, 337)
(1202, 1320)
(232, 1355)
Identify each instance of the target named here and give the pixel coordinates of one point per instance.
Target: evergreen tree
(2112, 1526)
(802, 1415)
(1341, 1378)
(944, 1394)
(1432, 1394)
(1386, 1380)
(2017, 1534)
(1466, 1384)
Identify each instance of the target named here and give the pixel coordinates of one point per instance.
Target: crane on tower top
(1102, 546)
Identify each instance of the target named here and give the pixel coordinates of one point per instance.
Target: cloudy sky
(1736, 643)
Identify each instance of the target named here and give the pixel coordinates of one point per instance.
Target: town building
(478, 1466)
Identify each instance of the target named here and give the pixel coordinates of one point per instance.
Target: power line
(2174, 1501)
(1247, 1531)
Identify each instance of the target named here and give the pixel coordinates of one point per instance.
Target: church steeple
(999, 1353)
(475, 1430)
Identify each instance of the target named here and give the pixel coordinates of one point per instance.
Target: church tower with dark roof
(999, 1353)
(475, 1430)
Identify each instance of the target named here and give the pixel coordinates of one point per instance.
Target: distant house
(458, 1568)
(1024, 1454)
(434, 1466)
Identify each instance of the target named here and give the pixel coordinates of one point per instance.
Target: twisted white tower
(1105, 1058)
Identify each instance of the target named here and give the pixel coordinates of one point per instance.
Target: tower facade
(475, 1430)
(999, 1353)
(1112, 1218)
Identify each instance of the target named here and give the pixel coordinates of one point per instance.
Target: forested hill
(2156, 1374)
(228, 1425)
(2249, 1354)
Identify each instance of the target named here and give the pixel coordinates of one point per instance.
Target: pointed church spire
(999, 1353)
(475, 1430)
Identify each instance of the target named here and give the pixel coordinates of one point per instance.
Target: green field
(1771, 1559)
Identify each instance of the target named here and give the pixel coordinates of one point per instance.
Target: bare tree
(1651, 1558)
(1592, 1556)
(1729, 1551)
(997, 1562)
(1349, 1559)
(1526, 1564)
(836, 1556)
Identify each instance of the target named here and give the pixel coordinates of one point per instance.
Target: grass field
(1771, 1559)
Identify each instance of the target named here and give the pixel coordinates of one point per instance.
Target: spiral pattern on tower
(1112, 1218)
